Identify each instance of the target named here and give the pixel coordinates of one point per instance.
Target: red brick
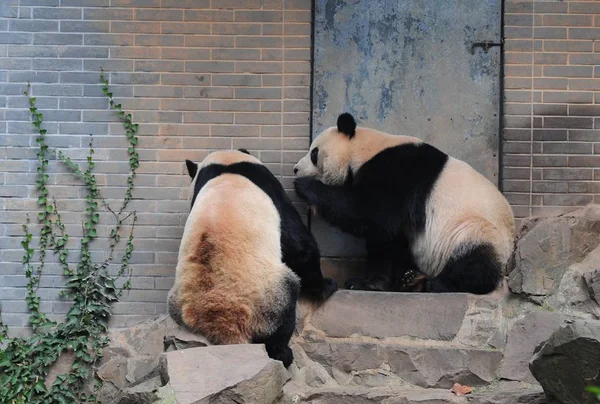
(584, 161)
(550, 33)
(568, 71)
(550, 109)
(568, 123)
(568, 46)
(512, 6)
(567, 148)
(584, 110)
(566, 200)
(550, 83)
(583, 7)
(550, 58)
(568, 20)
(550, 187)
(550, 161)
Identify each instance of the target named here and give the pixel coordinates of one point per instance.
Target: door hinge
(485, 45)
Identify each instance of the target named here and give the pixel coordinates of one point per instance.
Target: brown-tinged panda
(244, 257)
(417, 208)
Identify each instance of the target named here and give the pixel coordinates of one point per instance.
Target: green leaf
(593, 389)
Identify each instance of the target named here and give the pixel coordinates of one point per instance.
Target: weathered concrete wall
(406, 67)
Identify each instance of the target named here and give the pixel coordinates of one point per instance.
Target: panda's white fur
(463, 209)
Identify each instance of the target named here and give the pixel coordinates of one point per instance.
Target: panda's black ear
(191, 167)
(346, 124)
(244, 151)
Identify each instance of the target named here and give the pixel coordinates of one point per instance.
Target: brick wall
(198, 75)
(552, 105)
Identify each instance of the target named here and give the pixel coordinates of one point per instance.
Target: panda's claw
(413, 281)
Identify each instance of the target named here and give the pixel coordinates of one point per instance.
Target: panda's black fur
(384, 200)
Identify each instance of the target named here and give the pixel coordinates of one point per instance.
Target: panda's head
(222, 158)
(330, 153)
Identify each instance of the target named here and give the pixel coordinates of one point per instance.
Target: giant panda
(434, 217)
(245, 255)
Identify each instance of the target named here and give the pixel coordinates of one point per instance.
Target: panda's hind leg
(277, 344)
(476, 271)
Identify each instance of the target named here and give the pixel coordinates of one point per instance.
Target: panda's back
(232, 240)
(464, 209)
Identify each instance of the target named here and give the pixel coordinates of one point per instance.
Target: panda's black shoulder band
(346, 124)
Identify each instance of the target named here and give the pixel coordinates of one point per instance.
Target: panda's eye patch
(314, 155)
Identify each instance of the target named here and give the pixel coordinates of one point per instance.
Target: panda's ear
(346, 124)
(192, 168)
(244, 151)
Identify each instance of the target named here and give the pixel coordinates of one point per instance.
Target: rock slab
(568, 362)
(217, 373)
(384, 314)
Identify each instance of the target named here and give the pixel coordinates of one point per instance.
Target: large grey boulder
(568, 362)
(547, 247)
(223, 373)
(524, 336)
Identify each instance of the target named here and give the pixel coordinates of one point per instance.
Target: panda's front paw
(306, 188)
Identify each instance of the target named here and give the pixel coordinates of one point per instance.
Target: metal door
(410, 67)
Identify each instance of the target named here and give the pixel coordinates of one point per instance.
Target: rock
(548, 246)
(367, 395)
(483, 325)
(143, 393)
(425, 367)
(61, 366)
(568, 362)
(199, 375)
(114, 371)
(146, 338)
(383, 314)
(266, 387)
(180, 338)
(593, 285)
(524, 336)
(141, 368)
(524, 396)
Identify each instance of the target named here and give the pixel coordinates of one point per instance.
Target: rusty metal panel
(407, 67)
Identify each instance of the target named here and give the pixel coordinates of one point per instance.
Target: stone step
(385, 365)
(363, 395)
(456, 319)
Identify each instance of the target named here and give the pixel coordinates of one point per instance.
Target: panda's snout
(295, 169)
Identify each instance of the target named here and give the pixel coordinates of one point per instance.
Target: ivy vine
(91, 286)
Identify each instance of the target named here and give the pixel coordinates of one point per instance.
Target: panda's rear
(232, 286)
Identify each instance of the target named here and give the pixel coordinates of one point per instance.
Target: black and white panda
(244, 257)
(417, 208)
